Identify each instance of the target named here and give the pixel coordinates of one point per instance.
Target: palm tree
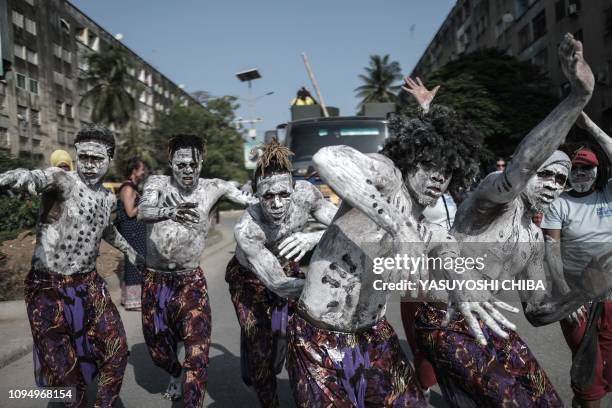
(380, 81)
(110, 87)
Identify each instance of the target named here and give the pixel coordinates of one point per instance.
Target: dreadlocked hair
(441, 138)
(274, 159)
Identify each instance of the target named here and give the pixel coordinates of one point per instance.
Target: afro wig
(440, 138)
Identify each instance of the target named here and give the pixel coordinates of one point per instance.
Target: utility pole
(314, 84)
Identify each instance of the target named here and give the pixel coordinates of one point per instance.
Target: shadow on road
(226, 388)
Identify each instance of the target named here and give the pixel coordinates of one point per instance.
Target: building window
(58, 78)
(59, 107)
(61, 136)
(68, 111)
(578, 36)
(523, 38)
(18, 19)
(539, 25)
(57, 50)
(541, 59)
(4, 136)
(21, 81)
(22, 113)
(35, 117)
(64, 25)
(20, 51)
(93, 42)
(30, 26)
(83, 65)
(32, 57)
(67, 55)
(81, 34)
(520, 6)
(34, 86)
(608, 22)
(559, 10)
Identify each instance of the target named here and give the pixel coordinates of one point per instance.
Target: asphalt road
(143, 382)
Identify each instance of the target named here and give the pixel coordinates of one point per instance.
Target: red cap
(586, 157)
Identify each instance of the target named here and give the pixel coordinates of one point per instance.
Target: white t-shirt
(586, 227)
(436, 214)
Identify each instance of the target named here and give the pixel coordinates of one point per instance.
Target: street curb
(15, 354)
(12, 309)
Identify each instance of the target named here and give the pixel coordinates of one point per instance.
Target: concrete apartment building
(45, 44)
(531, 30)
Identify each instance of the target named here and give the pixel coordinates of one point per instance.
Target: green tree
(110, 87)
(503, 97)
(379, 81)
(212, 121)
(135, 141)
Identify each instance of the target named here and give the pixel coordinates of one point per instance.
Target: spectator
(61, 159)
(132, 230)
(581, 220)
(303, 97)
(500, 164)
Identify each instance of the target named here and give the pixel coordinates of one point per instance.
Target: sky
(202, 44)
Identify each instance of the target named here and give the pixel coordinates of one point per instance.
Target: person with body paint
(265, 271)
(76, 329)
(175, 304)
(495, 222)
(342, 351)
(578, 228)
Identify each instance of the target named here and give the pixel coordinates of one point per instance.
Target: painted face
(92, 161)
(427, 183)
(274, 194)
(546, 186)
(186, 166)
(582, 177)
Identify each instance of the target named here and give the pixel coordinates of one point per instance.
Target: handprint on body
(182, 212)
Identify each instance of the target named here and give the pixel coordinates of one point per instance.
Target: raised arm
(599, 135)
(546, 137)
(423, 96)
(231, 191)
(371, 183)
(250, 240)
(34, 181)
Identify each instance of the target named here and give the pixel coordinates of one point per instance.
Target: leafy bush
(17, 213)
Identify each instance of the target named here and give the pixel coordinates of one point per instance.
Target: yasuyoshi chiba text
(468, 284)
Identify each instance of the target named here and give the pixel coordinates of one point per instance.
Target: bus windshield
(306, 139)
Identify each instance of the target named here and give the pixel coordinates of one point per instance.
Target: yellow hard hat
(60, 157)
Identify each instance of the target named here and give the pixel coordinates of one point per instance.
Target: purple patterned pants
(262, 316)
(77, 334)
(175, 308)
(502, 374)
(346, 370)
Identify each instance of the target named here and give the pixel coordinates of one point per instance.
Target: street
(143, 382)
